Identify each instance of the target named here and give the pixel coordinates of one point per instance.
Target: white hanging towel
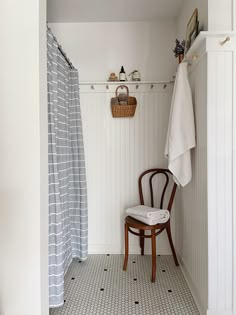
(181, 130)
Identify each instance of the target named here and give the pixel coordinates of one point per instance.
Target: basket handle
(122, 86)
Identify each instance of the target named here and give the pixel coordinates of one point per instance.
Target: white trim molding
(214, 312)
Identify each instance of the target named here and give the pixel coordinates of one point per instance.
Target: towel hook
(137, 86)
(107, 87)
(227, 39)
(151, 86)
(92, 87)
(164, 86)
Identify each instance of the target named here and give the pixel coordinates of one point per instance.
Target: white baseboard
(103, 249)
(221, 312)
(200, 306)
(133, 249)
(108, 249)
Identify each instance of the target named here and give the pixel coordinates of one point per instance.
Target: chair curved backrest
(157, 171)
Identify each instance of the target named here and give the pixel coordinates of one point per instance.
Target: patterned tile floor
(100, 286)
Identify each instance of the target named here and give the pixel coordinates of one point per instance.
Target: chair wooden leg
(168, 230)
(126, 247)
(153, 256)
(141, 240)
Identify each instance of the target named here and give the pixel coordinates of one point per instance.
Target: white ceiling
(111, 10)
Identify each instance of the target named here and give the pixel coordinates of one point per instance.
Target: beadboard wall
(205, 214)
(117, 151)
(191, 215)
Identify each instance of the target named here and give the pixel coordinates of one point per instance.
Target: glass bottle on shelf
(122, 74)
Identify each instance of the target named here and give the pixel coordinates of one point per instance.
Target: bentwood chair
(131, 223)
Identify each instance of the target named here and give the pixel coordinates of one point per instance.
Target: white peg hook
(227, 39)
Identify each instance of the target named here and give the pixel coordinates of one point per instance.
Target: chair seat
(136, 224)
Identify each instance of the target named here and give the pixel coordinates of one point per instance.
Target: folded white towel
(148, 215)
(181, 130)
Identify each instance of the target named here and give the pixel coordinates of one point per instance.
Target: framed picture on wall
(192, 30)
(194, 34)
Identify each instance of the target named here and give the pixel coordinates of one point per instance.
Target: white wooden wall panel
(206, 244)
(220, 178)
(191, 215)
(221, 15)
(117, 151)
(234, 184)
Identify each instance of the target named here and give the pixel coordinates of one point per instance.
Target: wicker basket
(119, 110)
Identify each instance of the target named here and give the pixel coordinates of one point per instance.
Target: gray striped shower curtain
(68, 215)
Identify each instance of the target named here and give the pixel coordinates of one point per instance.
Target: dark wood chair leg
(153, 256)
(126, 246)
(141, 240)
(168, 230)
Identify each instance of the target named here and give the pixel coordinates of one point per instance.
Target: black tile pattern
(116, 292)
